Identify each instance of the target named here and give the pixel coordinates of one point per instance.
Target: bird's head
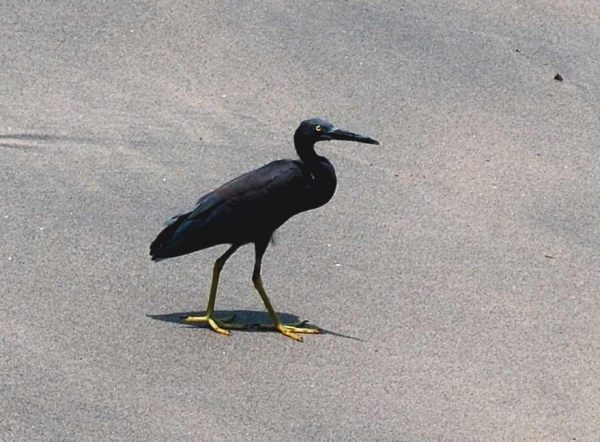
(317, 129)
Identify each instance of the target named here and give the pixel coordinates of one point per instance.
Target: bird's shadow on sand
(248, 317)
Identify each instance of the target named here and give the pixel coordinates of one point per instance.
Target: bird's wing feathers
(278, 177)
(207, 204)
(204, 206)
(260, 200)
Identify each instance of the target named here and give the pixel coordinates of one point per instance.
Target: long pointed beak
(344, 135)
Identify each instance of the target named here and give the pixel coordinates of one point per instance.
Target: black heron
(250, 208)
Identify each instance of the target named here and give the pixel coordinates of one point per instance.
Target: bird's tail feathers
(161, 244)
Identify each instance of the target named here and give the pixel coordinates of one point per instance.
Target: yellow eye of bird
(318, 128)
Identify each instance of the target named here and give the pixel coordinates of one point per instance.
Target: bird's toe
(218, 325)
(291, 334)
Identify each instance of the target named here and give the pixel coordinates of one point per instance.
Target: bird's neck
(322, 171)
(306, 151)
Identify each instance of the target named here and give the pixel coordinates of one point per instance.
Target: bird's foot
(218, 325)
(290, 330)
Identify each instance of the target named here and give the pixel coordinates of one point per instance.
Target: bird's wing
(256, 202)
(255, 190)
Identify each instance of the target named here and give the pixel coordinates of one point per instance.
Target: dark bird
(250, 208)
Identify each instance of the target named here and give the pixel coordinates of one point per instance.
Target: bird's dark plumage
(251, 207)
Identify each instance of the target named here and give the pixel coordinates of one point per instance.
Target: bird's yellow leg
(218, 325)
(288, 330)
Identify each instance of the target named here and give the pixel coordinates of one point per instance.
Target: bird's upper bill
(340, 134)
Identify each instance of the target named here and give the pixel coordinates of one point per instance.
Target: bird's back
(248, 208)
